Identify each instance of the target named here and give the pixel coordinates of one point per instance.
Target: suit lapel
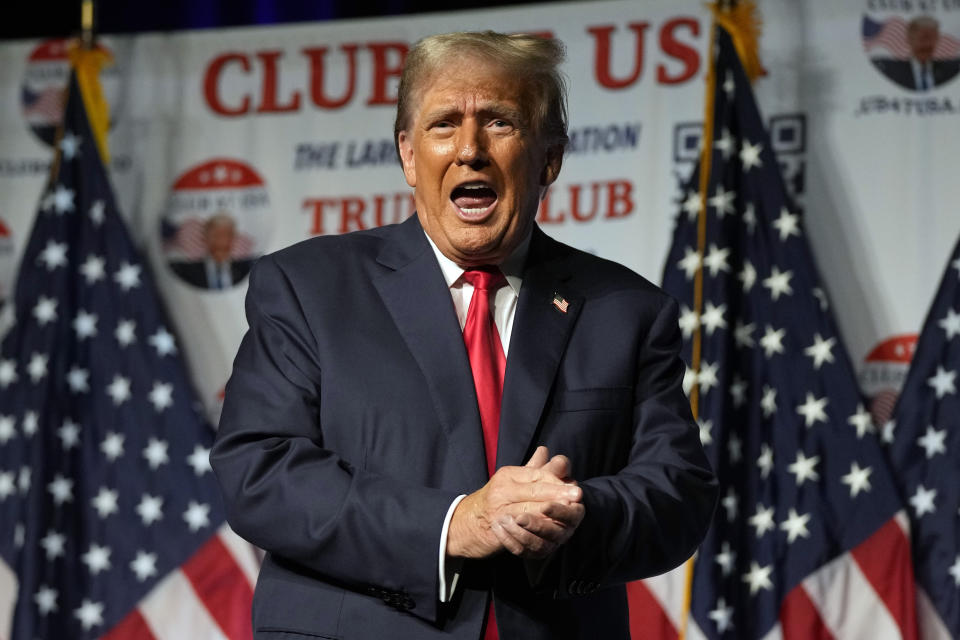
(416, 295)
(540, 334)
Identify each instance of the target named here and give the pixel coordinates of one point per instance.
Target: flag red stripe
(133, 627)
(647, 617)
(799, 618)
(222, 587)
(884, 559)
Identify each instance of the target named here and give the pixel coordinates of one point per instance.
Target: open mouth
(474, 199)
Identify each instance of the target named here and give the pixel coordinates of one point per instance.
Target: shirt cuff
(448, 574)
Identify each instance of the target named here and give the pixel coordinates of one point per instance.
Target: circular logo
(215, 223)
(883, 374)
(917, 53)
(43, 95)
(7, 265)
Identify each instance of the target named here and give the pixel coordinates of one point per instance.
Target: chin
(478, 253)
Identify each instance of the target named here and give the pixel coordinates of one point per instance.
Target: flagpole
(706, 148)
(706, 155)
(87, 34)
(87, 59)
(742, 22)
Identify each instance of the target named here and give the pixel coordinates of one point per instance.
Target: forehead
(469, 82)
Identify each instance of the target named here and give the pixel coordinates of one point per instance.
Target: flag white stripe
(848, 605)
(8, 599)
(174, 612)
(244, 554)
(931, 625)
(667, 589)
(693, 631)
(775, 633)
(903, 520)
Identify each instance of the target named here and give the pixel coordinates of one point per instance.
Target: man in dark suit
(387, 431)
(218, 269)
(920, 72)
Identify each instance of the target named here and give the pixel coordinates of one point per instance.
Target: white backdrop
(288, 130)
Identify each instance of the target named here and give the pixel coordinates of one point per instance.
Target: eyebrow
(496, 109)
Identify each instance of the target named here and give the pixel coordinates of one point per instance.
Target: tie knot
(485, 278)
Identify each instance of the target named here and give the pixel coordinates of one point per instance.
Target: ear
(552, 167)
(405, 143)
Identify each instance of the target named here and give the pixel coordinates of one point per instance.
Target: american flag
(44, 106)
(188, 241)
(891, 35)
(809, 539)
(924, 438)
(110, 521)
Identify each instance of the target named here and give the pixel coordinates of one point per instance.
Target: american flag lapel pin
(560, 303)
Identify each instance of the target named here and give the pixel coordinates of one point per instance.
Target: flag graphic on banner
(924, 439)
(809, 539)
(891, 36)
(110, 520)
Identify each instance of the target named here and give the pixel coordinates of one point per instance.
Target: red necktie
(487, 362)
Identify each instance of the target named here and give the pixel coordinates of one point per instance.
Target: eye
(499, 124)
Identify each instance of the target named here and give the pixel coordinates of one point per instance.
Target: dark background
(50, 18)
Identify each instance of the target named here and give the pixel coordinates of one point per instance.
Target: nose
(471, 147)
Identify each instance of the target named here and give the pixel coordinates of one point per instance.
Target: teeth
(474, 211)
(473, 186)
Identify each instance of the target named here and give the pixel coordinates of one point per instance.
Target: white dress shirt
(218, 274)
(922, 74)
(504, 310)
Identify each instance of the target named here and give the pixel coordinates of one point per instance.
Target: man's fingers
(517, 491)
(520, 541)
(539, 458)
(569, 515)
(541, 527)
(509, 543)
(559, 466)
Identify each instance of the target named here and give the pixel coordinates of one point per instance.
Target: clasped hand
(528, 511)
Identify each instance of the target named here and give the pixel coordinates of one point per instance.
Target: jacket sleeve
(652, 514)
(290, 495)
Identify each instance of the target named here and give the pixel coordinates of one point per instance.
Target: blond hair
(534, 62)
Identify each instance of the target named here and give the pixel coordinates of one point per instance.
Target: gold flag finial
(742, 21)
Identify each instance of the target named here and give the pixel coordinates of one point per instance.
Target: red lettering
(316, 207)
(268, 100)
(685, 53)
(575, 211)
(351, 212)
(400, 213)
(603, 54)
(378, 211)
(317, 94)
(383, 71)
(211, 80)
(619, 199)
(543, 216)
(403, 213)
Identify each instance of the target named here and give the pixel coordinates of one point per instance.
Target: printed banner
(231, 143)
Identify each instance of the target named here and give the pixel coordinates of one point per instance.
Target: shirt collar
(512, 267)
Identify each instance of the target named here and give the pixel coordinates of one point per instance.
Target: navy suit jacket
(195, 272)
(350, 424)
(901, 71)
